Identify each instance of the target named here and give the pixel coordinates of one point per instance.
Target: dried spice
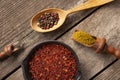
(48, 20)
(52, 62)
(83, 37)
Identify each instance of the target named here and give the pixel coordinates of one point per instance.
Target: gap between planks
(92, 78)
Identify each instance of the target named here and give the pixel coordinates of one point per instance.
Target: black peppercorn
(48, 20)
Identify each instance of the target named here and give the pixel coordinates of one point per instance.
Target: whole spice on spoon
(48, 20)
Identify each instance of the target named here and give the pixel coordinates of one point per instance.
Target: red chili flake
(52, 62)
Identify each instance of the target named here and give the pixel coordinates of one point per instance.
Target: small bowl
(37, 46)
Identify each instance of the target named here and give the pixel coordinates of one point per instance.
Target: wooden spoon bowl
(35, 19)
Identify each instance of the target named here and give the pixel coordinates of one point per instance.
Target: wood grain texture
(111, 73)
(14, 26)
(18, 76)
(103, 23)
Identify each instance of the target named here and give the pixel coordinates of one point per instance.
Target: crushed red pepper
(52, 62)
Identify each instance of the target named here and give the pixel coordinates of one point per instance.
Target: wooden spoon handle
(113, 51)
(101, 46)
(2, 55)
(8, 50)
(88, 4)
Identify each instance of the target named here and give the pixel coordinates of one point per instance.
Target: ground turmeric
(83, 38)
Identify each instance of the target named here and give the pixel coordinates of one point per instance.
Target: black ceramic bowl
(37, 46)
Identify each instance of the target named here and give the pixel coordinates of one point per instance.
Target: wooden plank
(18, 76)
(111, 73)
(103, 23)
(15, 27)
(11, 19)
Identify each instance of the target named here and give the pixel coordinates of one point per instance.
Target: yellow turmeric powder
(83, 38)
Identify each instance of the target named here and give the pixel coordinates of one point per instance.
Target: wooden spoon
(99, 45)
(63, 14)
(9, 49)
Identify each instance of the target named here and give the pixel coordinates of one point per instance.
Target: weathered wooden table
(103, 21)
